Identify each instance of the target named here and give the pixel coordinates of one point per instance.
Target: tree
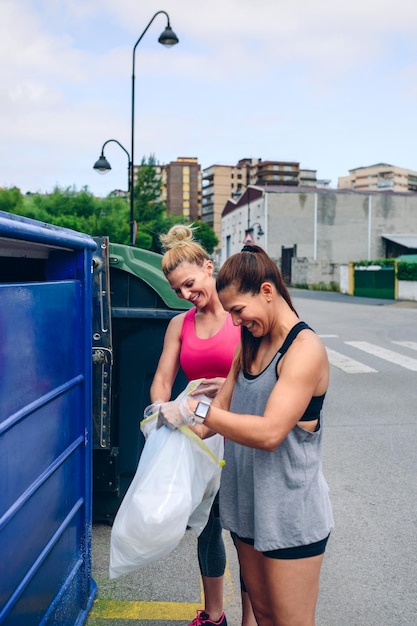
(206, 236)
(69, 208)
(11, 200)
(150, 210)
(147, 194)
(83, 212)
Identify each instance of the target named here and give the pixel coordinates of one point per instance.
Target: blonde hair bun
(180, 246)
(178, 235)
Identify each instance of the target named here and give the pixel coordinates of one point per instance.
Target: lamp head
(102, 166)
(168, 38)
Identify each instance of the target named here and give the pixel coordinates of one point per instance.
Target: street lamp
(102, 166)
(260, 232)
(249, 233)
(168, 39)
(249, 230)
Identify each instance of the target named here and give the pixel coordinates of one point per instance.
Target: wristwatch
(201, 412)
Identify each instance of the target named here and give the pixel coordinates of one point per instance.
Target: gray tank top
(279, 499)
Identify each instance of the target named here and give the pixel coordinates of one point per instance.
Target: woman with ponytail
(273, 495)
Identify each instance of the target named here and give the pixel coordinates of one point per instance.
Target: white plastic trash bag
(174, 487)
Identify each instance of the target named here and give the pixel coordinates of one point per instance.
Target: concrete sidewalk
(164, 593)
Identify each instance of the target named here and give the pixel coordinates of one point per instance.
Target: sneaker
(204, 618)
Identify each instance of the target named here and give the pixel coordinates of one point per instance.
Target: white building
(312, 232)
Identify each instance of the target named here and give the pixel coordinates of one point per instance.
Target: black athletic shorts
(297, 552)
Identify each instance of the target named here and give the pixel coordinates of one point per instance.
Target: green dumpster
(132, 306)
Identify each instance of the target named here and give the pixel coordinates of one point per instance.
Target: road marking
(156, 611)
(138, 610)
(407, 344)
(328, 336)
(383, 353)
(348, 365)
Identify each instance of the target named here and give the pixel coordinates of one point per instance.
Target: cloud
(248, 78)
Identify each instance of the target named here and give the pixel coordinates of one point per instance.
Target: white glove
(150, 412)
(176, 413)
(152, 409)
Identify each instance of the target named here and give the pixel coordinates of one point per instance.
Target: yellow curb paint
(170, 611)
(123, 609)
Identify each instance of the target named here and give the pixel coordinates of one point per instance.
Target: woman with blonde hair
(202, 341)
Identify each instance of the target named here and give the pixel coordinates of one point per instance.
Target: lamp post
(249, 230)
(103, 166)
(168, 39)
(249, 233)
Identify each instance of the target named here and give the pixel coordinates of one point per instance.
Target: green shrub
(407, 271)
(318, 286)
(381, 262)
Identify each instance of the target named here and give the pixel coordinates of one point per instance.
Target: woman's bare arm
(304, 373)
(169, 361)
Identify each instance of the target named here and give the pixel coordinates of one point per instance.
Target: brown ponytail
(246, 271)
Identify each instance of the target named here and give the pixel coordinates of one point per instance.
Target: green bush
(332, 286)
(407, 271)
(381, 262)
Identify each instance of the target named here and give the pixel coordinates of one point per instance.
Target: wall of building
(330, 226)
(308, 272)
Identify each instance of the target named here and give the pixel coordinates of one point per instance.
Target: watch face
(202, 410)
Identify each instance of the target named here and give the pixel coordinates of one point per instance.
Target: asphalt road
(369, 576)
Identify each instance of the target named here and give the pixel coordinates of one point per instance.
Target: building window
(228, 246)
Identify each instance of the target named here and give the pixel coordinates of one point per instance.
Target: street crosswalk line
(384, 353)
(348, 365)
(407, 344)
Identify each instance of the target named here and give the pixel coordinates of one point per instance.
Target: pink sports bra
(207, 358)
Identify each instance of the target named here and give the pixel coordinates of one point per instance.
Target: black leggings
(211, 550)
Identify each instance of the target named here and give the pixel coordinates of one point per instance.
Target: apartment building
(222, 182)
(379, 177)
(282, 173)
(181, 187)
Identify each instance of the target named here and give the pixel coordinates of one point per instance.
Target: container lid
(146, 265)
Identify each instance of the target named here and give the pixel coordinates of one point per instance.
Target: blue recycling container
(45, 424)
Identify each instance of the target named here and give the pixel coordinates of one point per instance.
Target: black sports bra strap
(291, 336)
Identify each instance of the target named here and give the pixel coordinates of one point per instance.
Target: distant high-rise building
(379, 177)
(222, 182)
(182, 188)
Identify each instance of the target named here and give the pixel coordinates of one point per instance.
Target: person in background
(202, 341)
(273, 495)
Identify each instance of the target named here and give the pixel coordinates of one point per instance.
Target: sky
(330, 85)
